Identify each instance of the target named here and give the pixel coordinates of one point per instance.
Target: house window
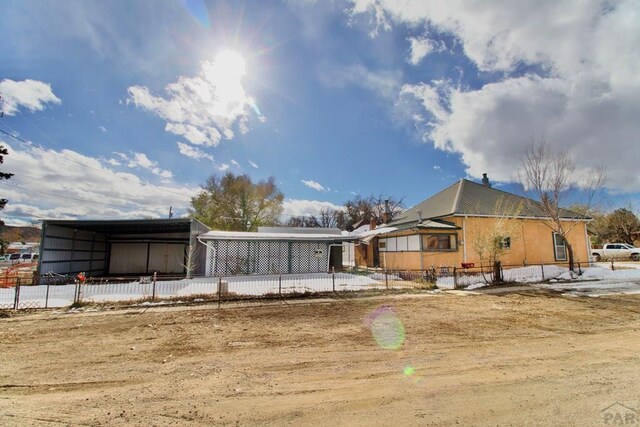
(440, 242)
(505, 243)
(414, 243)
(402, 244)
(391, 244)
(559, 247)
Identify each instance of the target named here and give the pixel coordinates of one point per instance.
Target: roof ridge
(456, 200)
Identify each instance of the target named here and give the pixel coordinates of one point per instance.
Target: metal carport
(122, 247)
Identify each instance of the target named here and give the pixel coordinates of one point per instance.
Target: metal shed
(122, 247)
(277, 251)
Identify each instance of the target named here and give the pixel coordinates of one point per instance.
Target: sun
(230, 65)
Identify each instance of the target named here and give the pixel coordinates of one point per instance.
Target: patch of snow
(476, 286)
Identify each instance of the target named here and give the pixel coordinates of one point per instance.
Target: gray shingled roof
(470, 198)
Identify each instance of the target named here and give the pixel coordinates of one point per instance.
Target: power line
(13, 136)
(68, 197)
(144, 184)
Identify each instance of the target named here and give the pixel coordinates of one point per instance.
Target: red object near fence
(468, 265)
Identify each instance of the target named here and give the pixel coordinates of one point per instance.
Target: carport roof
(126, 226)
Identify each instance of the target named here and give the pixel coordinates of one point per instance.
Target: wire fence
(63, 291)
(51, 291)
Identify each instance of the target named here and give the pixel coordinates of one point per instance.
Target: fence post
(612, 266)
(76, 292)
(333, 278)
(153, 290)
(542, 269)
(386, 279)
(455, 278)
(579, 269)
(16, 302)
(46, 298)
(219, 290)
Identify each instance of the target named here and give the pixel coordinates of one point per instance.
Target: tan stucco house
(444, 230)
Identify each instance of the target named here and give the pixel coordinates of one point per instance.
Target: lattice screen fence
(237, 257)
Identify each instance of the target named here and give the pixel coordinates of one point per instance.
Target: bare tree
(551, 176)
(372, 207)
(494, 241)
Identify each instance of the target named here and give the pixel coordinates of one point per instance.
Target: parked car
(616, 251)
(29, 257)
(14, 257)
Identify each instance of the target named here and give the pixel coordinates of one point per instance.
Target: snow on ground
(594, 281)
(602, 281)
(63, 295)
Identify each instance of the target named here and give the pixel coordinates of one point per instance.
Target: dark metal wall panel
(67, 251)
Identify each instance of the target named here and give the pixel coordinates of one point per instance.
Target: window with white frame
(414, 243)
(559, 247)
(400, 244)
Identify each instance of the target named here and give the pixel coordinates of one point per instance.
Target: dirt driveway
(527, 359)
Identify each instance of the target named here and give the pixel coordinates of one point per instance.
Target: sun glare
(231, 64)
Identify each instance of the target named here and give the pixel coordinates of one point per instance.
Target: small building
(21, 248)
(122, 247)
(273, 250)
(443, 231)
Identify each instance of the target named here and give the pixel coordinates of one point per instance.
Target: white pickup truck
(616, 250)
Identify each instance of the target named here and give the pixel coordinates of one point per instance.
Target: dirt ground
(523, 359)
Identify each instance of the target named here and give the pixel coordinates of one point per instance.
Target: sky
(123, 109)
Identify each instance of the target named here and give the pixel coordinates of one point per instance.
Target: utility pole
(170, 212)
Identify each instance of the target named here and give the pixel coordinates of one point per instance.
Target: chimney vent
(372, 224)
(386, 216)
(419, 216)
(485, 180)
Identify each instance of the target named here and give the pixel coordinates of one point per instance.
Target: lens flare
(387, 330)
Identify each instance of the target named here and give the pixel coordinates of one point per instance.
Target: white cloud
(253, 164)
(203, 109)
(224, 167)
(193, 152)
(436, 168)
(102, 128)
(581, 92)
(30, 94)
(420, 47)
(140, 160)
(385, 83)
(301, 207)
(314, 185)
(66, 184)
(234, 163)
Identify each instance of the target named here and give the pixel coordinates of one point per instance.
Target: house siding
(531, 244)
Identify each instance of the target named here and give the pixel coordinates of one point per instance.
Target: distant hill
(10, 233)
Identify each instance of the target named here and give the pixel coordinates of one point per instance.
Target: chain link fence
(52, 291)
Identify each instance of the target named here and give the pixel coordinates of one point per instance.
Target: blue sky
(124, 108)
